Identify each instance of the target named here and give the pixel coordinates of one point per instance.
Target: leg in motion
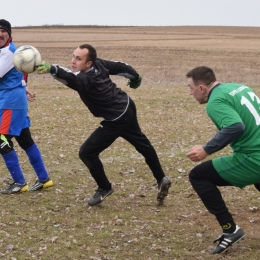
(12, 163)
(141, 143)
(205, 179)
(26, 142)
(89, 152)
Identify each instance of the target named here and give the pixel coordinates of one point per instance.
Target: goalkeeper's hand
(44, 67)
(134, 83)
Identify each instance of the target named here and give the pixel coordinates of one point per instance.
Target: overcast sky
(131, 12)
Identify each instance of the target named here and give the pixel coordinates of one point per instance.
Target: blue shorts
(12, 121)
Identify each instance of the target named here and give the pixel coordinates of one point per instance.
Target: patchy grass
(57, 223)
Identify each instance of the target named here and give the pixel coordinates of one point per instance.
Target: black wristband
(53, 70)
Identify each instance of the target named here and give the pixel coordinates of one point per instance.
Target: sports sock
(36, 161)
(229, 227)
(12, 164)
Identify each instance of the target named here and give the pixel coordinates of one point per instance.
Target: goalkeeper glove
(134, 83)
(44, 67)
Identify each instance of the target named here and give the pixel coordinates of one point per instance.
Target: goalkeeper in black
(90, 77)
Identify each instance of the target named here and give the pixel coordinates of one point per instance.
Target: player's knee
(85, 157)
(147, 151)
(193, 176)
(25, 139)
(5, 146)
(82, 153)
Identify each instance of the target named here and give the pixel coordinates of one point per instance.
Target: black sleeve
(77, 81)
(224, 137)
(120, 69)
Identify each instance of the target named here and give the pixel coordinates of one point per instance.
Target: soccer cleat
(99, 196)
(39, 185)
(15, 188)
(163, 187)
(228, 239)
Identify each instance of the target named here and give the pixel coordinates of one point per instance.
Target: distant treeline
(70, 26)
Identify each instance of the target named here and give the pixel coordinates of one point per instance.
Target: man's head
(5, 32)
(6, 26)
(83, 58)
(200, 81)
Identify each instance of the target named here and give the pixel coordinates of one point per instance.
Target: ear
(203, 89)
(89, 63)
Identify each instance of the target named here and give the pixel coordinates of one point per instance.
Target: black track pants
(126, 127)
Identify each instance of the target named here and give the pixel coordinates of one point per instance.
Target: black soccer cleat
(99, 196)
(163, 188)
(226, 240)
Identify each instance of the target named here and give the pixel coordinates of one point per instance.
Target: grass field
(57, 223)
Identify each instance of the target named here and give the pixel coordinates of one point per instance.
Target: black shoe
(163, 188)
(15, 188)
(99, 196)
(228, 239)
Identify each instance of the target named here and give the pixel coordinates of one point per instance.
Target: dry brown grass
(57, 223)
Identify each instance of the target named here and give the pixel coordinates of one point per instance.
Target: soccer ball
(26, 59)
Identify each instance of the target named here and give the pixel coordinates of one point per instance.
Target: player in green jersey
(234, 109)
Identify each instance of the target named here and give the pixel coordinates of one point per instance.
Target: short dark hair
(92, 53)
(202, 74)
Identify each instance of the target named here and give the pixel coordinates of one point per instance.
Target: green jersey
(228, 104)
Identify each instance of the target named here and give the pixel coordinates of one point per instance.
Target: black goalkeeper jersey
(95, 88)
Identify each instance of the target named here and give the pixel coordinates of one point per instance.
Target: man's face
(4, 37)
(79, 60)
(199, 92)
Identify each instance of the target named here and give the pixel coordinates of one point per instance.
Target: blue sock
(12, 164)
(36, 161)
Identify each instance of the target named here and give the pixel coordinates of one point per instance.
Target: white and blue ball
(26, 59)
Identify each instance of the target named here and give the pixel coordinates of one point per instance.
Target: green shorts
(239, 169)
